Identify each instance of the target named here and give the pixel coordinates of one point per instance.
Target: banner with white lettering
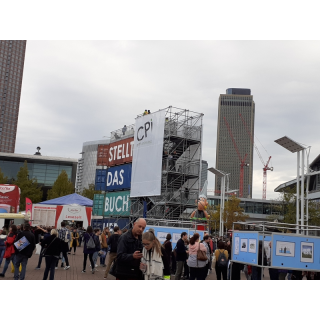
(147, 155)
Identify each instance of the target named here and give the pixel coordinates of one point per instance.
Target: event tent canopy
(70, 199)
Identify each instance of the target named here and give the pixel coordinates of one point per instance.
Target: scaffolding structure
(181, 171)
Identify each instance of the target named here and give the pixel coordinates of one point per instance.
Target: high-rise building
(231, 105)
(87, 164)
(204, 173)
(12, 55)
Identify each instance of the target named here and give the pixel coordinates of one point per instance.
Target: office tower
(87, 164)
(12, 55)
(204, 173)
(230, 123)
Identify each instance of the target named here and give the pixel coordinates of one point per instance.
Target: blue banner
(119, 177)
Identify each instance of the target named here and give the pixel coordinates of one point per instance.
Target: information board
(245, 247)
(295, 252)
(161, 233)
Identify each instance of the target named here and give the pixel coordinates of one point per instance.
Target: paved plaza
(74, 273)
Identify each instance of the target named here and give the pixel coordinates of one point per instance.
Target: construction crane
(242, 161)
(265, 165)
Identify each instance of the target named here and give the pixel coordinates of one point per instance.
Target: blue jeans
(7, 263)
(20, 258)
(39, 261)
(103, 259)
(95, 258)
(2, 251)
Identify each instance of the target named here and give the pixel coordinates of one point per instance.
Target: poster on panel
(147, 155)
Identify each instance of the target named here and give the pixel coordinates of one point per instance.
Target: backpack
(91, 244)
(222, 260)
(67, 236)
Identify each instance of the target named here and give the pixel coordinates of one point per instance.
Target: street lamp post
(221, 175)
(295, 147)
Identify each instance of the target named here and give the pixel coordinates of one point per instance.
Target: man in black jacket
(129, 252)
(113, 243)
(26, 253)
(181, 255)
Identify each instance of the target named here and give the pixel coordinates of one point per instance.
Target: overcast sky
(77, 91)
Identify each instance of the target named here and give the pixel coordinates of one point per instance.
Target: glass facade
(45, 173)
(252, 206)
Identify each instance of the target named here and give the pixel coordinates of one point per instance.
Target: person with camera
(129, 252)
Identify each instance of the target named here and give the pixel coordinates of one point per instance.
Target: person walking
(206, 243)
(97, 233)
(197, 267)
(80, 231)
(3, 238)
(64, 235)
(52, 246)
(46, 234)
(168, 248)
(154, 263)
(129, 252)
(104, 246)
(74, 240)
(181, 255)
(9, 253)
(112, 254)
(88, 249)
(23, 255)
(221, 261)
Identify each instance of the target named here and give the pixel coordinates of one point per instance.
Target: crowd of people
(130, 254)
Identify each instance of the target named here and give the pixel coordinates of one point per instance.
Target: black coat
(53, 245)
(113, 242)
(28, 250)
(166, 262)
(181, 251)
(126, 266)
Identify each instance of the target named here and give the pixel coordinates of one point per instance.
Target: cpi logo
(143, 130)
(6, 189)
(74, 210)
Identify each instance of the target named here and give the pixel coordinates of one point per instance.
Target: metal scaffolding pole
(298, 192)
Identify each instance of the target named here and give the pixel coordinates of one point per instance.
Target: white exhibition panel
(147, 155)
(73, 213)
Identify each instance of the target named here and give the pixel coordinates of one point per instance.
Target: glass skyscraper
(12, 53)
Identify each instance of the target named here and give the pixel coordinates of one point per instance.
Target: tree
(29, 187)
(90, 192)
(61, 187)
(3, 179)
(214, 218)
(232, 213)
(288, 205)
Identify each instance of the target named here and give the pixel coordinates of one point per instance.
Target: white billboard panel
(147, 155)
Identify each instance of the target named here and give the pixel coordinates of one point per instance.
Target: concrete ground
(74, 273)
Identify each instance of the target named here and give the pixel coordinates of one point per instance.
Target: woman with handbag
(9, 253)
(197, 260)
(51, 248)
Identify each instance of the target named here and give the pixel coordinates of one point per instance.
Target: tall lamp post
(221, 175)
(295, 147)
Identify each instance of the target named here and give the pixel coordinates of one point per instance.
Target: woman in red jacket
(10, 252)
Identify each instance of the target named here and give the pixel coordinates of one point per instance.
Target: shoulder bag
(201, 255)
(44, 250)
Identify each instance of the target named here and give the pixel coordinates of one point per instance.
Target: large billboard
(115, 153)
(117, 204)
(119, 177)
(9, 198)
(147, 156)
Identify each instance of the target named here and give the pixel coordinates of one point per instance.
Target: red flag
(29, 210)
